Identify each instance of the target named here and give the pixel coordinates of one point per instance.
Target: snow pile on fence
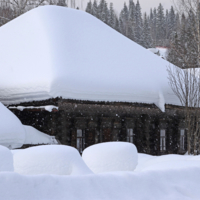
(180, 184)
(6, 159)
(12, 132)
(50, 159)
(111, 156)
(62, 52)
(33, 136)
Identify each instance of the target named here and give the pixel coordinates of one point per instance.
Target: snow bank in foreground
(6, 159)
(111, 156)
(33, 136)
(12, 132)
(67, 64)
(150, 185)
(166, 162)
(50, 159)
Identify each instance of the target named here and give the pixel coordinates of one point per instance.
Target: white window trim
(162, 140)
(129, 135)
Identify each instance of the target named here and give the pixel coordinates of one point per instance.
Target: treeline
(148, 30)
(185, 47)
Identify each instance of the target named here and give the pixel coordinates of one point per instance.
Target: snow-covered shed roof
(33, 136)
(53, 51)
(12, 132)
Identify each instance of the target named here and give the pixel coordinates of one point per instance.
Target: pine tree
(117, 27)
(138, 23)
(147, 41)
(61, 3)
(123, 19)
(131, 21)
(95, 9)
(111, 17)
(100, 9)
(172, 21)
(160, 24)
(89, 7)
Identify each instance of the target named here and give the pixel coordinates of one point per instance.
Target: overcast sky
(145, 4)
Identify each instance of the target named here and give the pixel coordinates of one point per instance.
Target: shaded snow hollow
(65, 52)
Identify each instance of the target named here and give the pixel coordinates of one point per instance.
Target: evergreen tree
(111, 17)
(95, 9)
(172, 20)
(131, 21)
(101, 9)
(62, 3)
(138, 24)
(147, 41)
(117, 27)
(160, 24)
(89, 7)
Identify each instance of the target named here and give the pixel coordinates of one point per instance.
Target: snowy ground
(170, 177)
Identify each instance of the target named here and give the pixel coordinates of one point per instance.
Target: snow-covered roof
(33, 136)
(12, 132)
(53, 51)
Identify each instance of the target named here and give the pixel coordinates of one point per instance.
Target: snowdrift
(6, 159)
(180, 184)
(50, 159)
(111, 156)
(12, 132)
(62, 52)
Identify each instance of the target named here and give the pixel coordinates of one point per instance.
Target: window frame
(162, 140)
(80, 140)
(130, 135)
(182, 139)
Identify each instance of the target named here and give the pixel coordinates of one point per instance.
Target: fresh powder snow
(176, 182)
(51, 57)
(12, 132)
(50, 159)
(111, 156)
(6, 159)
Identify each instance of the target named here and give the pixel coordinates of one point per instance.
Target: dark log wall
(108, 122)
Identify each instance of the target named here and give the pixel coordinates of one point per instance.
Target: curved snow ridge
(71, 54)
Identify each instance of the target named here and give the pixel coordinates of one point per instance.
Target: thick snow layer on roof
(33, 136)
(111, 156)
(12, 132)
(53, 51)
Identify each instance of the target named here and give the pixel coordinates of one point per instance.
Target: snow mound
(111, 156)
(167, 162)
(50, 159)
(6, 159)
(12, 133)
(180, 184)
(33, 136)
(76, 56)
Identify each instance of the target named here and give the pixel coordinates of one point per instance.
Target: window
(130, 135)
(80, 140)
(162, 140)
(182, 139)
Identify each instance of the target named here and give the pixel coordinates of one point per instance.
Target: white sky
(145, 4)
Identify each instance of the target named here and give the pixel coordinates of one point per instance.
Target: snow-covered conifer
(89, 7)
